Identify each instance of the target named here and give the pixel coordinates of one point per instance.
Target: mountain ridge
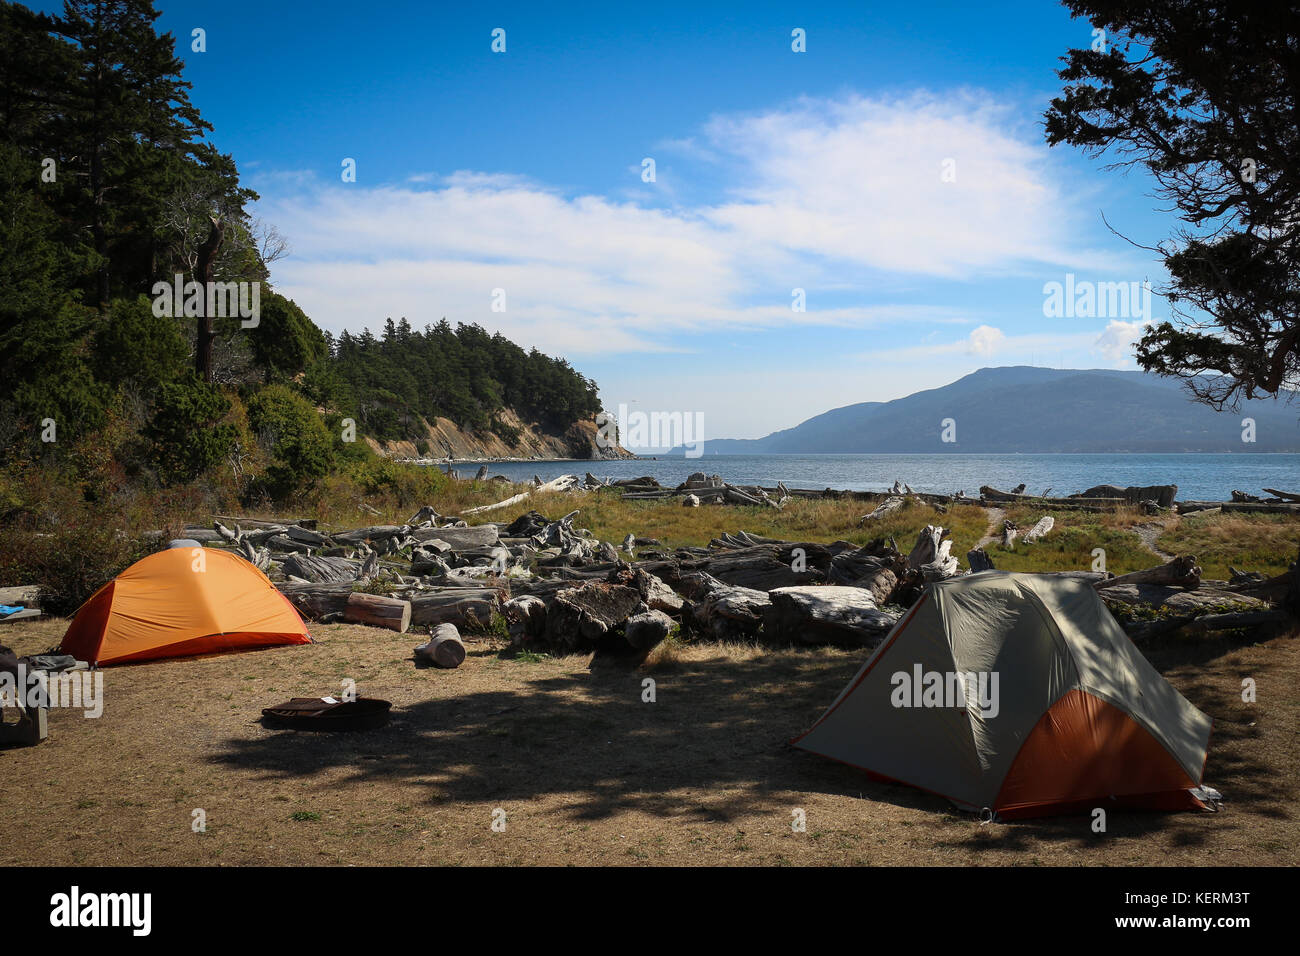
(1025, 409)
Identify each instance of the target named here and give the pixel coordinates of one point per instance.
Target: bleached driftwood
(1044, 525)
(443, 649)
(1182, 572)
(817, 614)
(885, 507)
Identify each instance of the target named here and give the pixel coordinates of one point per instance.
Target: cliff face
(446, 440)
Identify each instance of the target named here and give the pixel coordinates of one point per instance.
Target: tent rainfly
(180, 602)
(1018, 695)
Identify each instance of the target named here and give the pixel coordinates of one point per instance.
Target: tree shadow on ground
(721, 726)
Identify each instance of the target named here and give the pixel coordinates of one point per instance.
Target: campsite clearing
(586, 772)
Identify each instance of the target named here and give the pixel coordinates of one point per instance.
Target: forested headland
(111, 186)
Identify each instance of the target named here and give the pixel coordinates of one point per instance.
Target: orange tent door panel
(181, 602)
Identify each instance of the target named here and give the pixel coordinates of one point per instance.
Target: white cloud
(830, 197)
(984, 340)
(1117, 339)
(860, 180)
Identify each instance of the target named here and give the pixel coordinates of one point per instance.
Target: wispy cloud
(830, 196)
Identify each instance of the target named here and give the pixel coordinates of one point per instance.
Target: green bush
(69, 561)
(294, 435)
(406, 483)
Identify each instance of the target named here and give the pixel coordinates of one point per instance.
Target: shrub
(70, 561)
(300, 446)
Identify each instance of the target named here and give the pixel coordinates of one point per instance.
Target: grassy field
(584, 771)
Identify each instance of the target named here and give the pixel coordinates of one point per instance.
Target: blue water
(1203, 477)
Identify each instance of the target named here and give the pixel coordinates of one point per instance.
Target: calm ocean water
(1208, 477)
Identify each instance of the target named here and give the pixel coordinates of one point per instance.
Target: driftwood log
(1182, 572)
(378, 611)
(583, 615)
(825, 614)
(877, 567)
(317, 601)
(930, 555)
(1044, 525)
(1284, 495)
(464, 606)
(882, 509)
(723, 611)
(443, 649)
(645, 630)
(1206, 623)
(320, 570)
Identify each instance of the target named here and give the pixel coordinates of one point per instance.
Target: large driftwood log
(1162, 495)
(876, 567)
(580, 616)
(464, 607)
(763, 567)
(1009, 533)
(378, 611)
(307, 536)
(460, 539)
(525, 617)
(512, 500)
(28, 595)
(320, 569)
(1285, 495)
(722, 610)
(1231, 507)
(1182, 572)
(1206, 623)
(643, 631)
(317, 601)
(443, 649)
(884, 508)
(371, 533)
(825, 614)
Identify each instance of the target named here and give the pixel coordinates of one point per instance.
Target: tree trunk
(825, 615)
(203, 275)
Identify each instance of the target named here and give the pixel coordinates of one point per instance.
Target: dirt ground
(584, 770)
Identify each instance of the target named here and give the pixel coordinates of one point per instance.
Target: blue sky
(775, 170)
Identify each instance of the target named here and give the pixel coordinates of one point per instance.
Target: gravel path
(1148, 534)
(994, 531)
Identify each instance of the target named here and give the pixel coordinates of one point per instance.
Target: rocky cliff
(447, 440)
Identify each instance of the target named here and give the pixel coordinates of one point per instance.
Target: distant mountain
(1020, 409)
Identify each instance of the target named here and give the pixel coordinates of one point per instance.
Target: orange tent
(180, 602)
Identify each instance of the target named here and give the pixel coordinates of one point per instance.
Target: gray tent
(1018, 694)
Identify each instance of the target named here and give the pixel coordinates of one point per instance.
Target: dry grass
(1249, 542)
(585, 771)
(610, 518)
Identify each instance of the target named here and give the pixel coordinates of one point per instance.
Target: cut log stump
(443, 649)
